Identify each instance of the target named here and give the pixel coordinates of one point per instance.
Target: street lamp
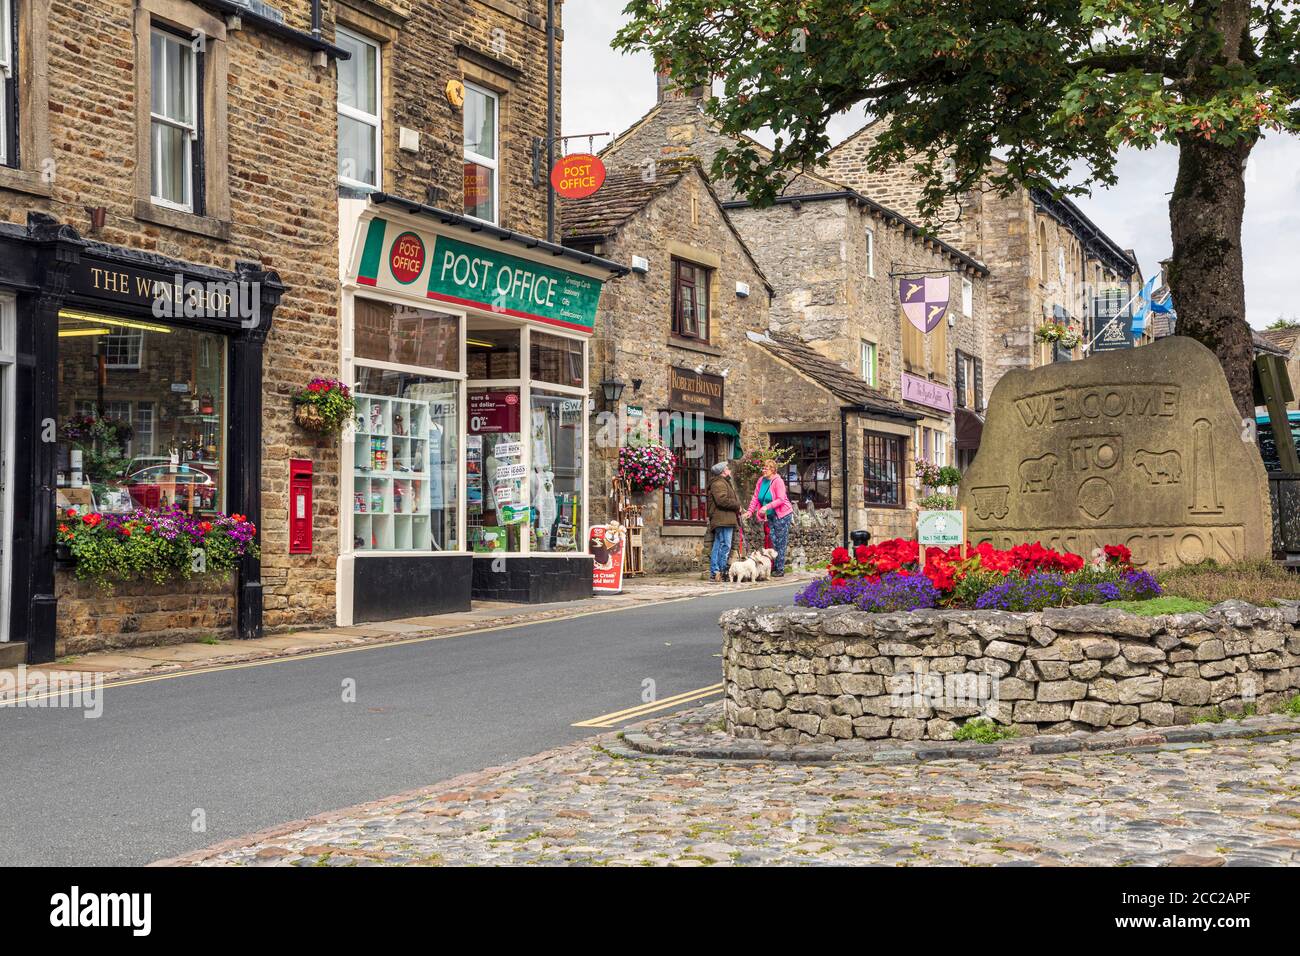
(612, 391)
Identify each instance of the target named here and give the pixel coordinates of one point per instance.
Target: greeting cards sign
(925, 301)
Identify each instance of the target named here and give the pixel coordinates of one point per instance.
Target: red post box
(300, 505)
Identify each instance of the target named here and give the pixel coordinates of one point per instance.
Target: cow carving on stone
(1160, 467)
(1036, 473)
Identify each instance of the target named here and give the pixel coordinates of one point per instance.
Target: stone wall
(280, 132)
(496, 44)
(796, 675)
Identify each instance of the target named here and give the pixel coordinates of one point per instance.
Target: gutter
(312, 41)
(448, 218)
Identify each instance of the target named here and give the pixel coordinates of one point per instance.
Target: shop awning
(970, 428)
(711, 426)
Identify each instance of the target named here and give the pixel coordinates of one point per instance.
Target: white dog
(743, 569)
(764, 561)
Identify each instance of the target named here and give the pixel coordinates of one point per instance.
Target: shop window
(176, 75)
(406, 468)
(360, 112)
(808, 475)
(868, 359)
(481, 151)
(882, 470)
(686, 498)
(556, 359)
(690, 300)
(152, 435)
(8, 84)
(497, 494)
(405, 335)
(493, 353)
(556, 489)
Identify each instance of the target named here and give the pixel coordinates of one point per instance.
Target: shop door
(6, 458)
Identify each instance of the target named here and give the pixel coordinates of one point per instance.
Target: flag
(1147, 304)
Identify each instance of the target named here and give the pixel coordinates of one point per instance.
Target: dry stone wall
(799, 675)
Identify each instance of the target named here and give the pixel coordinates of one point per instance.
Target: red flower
(92, 519)
(126, 531)
(205, 526)
(839, 583)
(840, 556)
(1119, 554)
(862, 553)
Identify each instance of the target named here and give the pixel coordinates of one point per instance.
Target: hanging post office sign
(480, 276)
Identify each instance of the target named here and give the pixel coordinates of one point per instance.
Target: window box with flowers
(324, 406)
(157, 545)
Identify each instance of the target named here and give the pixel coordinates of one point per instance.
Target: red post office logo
(406, 259)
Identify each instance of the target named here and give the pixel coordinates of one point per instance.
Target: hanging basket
(309, 417)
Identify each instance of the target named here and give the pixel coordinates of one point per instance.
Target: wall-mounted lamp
(640, 264)
(742, 290)
(612, 391)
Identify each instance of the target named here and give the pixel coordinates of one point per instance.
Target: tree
(1043, 83)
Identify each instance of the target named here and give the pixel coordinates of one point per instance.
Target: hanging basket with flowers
(646, 467)
(324, 406)
(1058, 333)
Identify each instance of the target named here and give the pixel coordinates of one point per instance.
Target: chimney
(665, 90)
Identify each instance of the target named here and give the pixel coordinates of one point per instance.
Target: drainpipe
(550, 118)
(844, 471)
(315, 19)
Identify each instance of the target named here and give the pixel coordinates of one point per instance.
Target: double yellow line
(644, 710)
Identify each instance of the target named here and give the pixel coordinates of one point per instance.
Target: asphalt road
(250, 747)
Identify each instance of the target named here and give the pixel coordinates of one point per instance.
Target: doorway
(7, 349)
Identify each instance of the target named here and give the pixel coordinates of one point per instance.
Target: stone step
(13, 653)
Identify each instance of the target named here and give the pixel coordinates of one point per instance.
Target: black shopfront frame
(49, 267)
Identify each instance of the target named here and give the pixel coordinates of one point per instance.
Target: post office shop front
(465, 472)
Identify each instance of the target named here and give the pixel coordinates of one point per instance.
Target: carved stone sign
(1141, 447)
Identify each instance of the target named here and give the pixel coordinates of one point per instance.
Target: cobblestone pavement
(1233, 802)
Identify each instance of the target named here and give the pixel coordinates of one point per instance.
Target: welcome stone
(1141, 447)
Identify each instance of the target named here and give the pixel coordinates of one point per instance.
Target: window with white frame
(481, 112)
(174, 113)
(122, 349)
(871, 252)
(967, 298)
(8, 85)
(360, 112)
(869, 362)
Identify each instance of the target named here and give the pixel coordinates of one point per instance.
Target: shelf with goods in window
(391, 481)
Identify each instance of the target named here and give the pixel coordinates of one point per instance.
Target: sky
(607, 91)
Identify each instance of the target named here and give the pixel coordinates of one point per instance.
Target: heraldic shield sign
(925, 301)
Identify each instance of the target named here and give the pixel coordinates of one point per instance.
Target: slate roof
(624, 194)
(830, 375)
(1284, 339)
(1265, 344)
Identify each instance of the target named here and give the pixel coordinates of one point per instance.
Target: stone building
(673, 336)
(837, 259)
(1048, 262)
(166, 278)
(464, 330)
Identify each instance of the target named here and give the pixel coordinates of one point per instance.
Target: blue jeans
(721, 550)
(780, 539)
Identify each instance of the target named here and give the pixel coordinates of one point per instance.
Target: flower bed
(155, 544)
(891, 576)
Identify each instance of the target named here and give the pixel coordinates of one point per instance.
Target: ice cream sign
(462, 273)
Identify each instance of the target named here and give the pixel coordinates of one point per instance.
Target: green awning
(711, 426)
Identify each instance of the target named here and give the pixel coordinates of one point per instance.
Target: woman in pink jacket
(771, 503)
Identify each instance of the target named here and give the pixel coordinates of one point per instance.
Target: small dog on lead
(743, 569)
(764, 560)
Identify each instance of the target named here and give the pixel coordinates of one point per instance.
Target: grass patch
(983, 730)
(1259, 582)
(210, 639)
(1292, 706)
(1161, 605)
